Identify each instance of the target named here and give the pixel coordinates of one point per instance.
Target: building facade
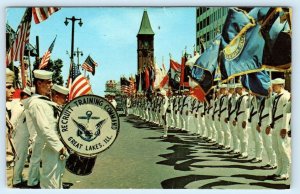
(209, 22)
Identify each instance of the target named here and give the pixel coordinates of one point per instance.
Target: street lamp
(73, 19)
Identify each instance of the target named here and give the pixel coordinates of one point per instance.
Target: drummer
(43, 114)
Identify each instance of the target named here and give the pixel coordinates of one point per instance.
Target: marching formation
(227, 119)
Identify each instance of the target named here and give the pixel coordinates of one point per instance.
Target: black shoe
(281, 178)
(230, 152)
(20, 185)
(269, 167)
(67, 185)
(271, 176)
(34, 187)
(255, 160)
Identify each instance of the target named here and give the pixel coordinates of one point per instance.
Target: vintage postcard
(148, 97)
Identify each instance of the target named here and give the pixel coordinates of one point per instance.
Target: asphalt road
(140, 159)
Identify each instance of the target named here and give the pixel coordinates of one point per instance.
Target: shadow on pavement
(228, 166)
(219, 183)
(181, 182)
(273, 185)
(270, 185)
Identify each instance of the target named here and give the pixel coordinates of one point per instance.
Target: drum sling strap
(238, 106)
(261, 108)
(274, 119)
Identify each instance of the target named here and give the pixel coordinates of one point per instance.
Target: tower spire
(145, 27)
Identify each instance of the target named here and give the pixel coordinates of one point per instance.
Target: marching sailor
(10, 149)
(170, 110)
(185, 110)
(223, 114)
(21, 140)
(215, 117)
(232, 99)
(163, 111)
(43, 114)
(263, 123)
(279, 126)
(256, 136)
(241, 120)
(209, 118)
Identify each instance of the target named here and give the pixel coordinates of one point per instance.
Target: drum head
(88, 125)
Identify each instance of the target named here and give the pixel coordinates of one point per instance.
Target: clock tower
(145, 44)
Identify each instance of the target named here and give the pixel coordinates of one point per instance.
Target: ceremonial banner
(258, 82)
(174, 74)
(242, 45)
(203, 71)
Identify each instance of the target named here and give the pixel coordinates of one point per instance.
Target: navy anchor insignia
(83, 132)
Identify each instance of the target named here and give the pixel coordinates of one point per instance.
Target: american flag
(77, 84)
(16, 51)
(125, 89)
(46, 56)
(125, 85)
(132, 86)
(89, 65)
(42, 13)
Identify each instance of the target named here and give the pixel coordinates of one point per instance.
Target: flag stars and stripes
(89, 65)
(42, 13)
(78, 84)
(46, 56)
(16, 51)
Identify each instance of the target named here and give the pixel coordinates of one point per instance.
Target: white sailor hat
(10, 76)
(60, 89)
(43, 74)
(112, 94)
(27, 91)
(278, 81)
(186, 90)
(163, 92)
(231, 86)
(223, 86)
(238, 85)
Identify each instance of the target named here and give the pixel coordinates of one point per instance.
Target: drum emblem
(84, 131)
(88, 125)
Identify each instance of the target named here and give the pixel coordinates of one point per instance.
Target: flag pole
(37, 51)
(29, 67)
(23, 73)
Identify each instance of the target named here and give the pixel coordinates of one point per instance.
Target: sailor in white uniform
(241, 119)
(163, 111)
(232, 99)
(256, 136)
(21, 140)
(223, 114)
(44, 117)
(279, 126)
(264, 112)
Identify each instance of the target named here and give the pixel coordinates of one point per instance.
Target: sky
(108, 35)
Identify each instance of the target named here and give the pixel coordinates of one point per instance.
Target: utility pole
(78, 53)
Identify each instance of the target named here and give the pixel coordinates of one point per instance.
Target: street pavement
(139, 158)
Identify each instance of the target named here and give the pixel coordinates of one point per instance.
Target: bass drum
(80, 165)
